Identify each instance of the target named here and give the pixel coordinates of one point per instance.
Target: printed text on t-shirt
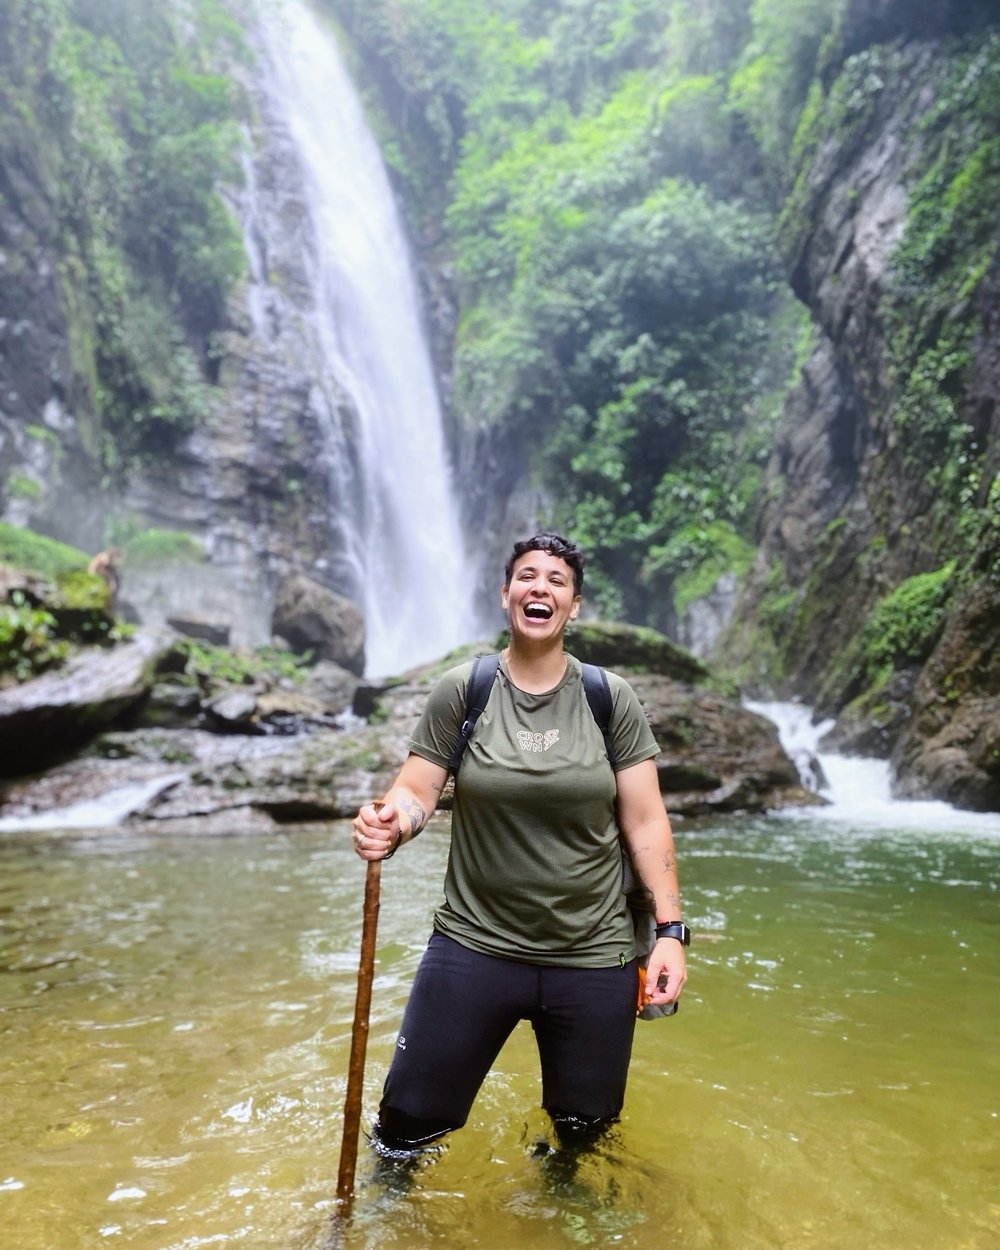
(537, 742)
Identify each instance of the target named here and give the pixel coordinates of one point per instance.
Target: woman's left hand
(666, 973)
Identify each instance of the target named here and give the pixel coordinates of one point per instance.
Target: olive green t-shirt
(534, 871)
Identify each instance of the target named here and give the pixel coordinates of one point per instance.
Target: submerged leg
(462, 1009)
(584, 1030)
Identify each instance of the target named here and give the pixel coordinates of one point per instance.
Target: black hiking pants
(463, 1007)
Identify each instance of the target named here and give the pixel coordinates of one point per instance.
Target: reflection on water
(177, 1012)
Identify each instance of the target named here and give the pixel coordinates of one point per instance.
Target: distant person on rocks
(534, 924)
(105, 564)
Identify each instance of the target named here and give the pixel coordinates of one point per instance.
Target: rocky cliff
(876, 593)
(259, 482)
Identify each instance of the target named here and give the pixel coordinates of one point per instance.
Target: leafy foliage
(138, 134)
(28, 640)
(615, 262)
(208, 664)
(950, 242)
(904, 626)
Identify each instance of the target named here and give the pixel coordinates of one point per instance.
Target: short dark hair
(554, 545)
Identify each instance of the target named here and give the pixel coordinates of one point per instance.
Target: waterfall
(860, 788)
(397, 540)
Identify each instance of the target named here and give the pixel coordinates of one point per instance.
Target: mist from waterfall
(397, 538)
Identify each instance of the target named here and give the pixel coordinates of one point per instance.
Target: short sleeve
(631, 735)
(437, 730)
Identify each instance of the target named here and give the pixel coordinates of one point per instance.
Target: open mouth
(537, 611)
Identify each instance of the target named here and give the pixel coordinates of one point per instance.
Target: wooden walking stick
(359, 1038)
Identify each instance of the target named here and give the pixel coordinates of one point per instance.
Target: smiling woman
(542, 587)
(534, 925)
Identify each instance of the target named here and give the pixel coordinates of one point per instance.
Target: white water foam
(860, 789)
(102, 812)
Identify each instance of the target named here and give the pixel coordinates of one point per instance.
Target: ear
(503, 596)
(574, 611)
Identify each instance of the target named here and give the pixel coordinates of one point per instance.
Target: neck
(536, 670)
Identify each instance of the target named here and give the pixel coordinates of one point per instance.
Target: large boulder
(313, 618)
(629, 648)
(715, 754)
(44, 718)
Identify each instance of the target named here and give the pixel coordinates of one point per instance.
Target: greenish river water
(176, 1016)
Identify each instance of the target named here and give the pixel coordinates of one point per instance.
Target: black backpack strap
(595, 685)
(477, 693)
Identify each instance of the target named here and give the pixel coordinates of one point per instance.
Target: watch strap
(674, 929)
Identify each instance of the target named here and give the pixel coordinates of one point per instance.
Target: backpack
(598, 692)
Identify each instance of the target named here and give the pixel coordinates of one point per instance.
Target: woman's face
(539, 599)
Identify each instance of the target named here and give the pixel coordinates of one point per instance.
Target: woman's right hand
(377, 831)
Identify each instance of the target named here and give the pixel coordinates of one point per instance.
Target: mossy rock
(24, 549)
(634, 648)
(155, 547)
(82, 591)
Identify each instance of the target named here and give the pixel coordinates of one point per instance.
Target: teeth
(538, 610)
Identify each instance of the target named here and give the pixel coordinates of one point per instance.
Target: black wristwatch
(675, 929)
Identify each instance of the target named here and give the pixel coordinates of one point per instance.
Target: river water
(176, 1016)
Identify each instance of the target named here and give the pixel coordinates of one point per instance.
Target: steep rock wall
(881, 472)
(254, 483)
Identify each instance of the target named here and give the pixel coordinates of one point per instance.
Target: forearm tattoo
(414, 813)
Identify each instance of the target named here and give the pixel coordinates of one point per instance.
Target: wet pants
(463, 1007)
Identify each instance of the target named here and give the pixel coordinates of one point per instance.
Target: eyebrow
(533, 568)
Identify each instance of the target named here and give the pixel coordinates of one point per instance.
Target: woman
(534, 924)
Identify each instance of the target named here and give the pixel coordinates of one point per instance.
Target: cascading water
(397, 539)
(860, 789)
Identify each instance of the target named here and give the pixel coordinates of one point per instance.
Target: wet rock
(810, 770)
(233, 712)
(706, 618)
(171, 704)
(950, 748)
(202, 628)
(41, 719)
(627, 648)
(716, 755)
(314, 619)
(872, 724)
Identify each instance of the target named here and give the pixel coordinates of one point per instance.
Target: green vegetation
(950, 241)
(613, 179)
(905, 625)
(40, 623)
(20, 486)
(32, 552)
(205, 663)
(617, 190)
(132, 131)
(616, 268)
(29, 642)
(156, 546)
